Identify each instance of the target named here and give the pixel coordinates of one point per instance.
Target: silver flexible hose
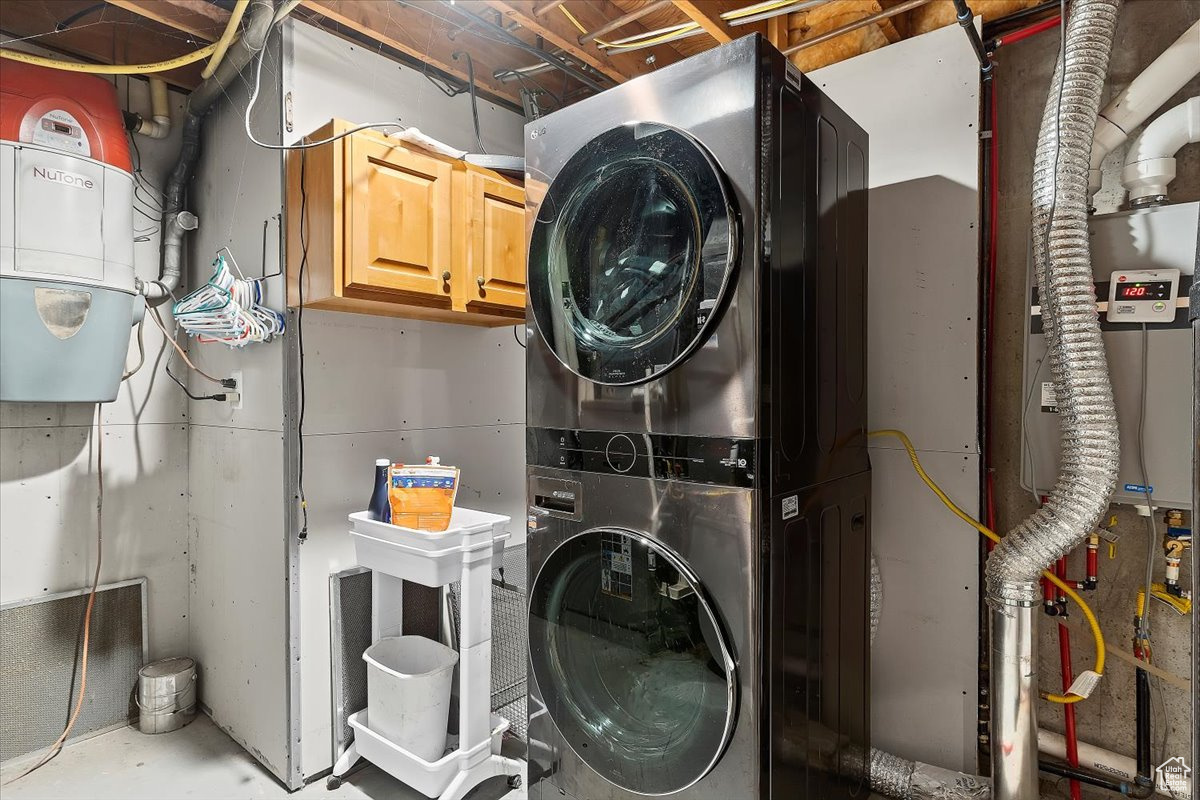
(1090, 448)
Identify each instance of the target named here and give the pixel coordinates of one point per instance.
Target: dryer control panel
(699, 459)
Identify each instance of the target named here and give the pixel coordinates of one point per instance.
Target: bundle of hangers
(228, 309)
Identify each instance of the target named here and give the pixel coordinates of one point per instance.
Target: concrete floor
(199, 761)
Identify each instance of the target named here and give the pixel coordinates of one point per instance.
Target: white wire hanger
(228, 308)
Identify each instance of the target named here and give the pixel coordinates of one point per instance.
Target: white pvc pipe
(1165, 76)
(1098, 760)
(1150, 162)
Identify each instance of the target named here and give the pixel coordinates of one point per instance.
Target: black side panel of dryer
(819, 637)
(816, 301)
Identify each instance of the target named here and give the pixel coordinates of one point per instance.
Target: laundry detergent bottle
(380, 508)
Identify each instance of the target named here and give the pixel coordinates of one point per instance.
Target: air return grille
(41, 643)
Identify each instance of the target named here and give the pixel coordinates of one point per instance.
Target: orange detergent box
(422, 497)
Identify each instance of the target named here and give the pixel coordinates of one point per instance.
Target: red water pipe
(1064, 650)
(1025, 33)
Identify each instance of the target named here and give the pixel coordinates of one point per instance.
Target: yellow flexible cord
(1097, 635)
(666, 37)
(110, 69)
(676, 34)
(230, 33)
(1180, 604)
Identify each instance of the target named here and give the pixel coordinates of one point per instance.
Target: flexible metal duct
(1090, 449)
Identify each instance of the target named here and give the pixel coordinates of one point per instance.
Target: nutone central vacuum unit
(67, 296)
(698, 480)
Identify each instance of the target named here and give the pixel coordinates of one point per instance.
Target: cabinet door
(496, 250)
(398, 232)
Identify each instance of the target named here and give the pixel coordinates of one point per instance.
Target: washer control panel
(1143, 295)
(699, 459)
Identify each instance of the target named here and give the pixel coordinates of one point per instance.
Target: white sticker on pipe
(1085, 683)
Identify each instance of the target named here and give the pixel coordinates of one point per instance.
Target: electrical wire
(303, 146)
(303, 534)
(471, 90)
(518, 338)
(683, 30)
(110, 69)
(170, 337)
(141, 343)
(1097, 634)
(1143, 616)
(56, 748)
(219, 397)
(666, 37)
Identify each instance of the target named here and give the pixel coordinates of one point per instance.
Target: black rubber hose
(1083, 776)
(1145, 776)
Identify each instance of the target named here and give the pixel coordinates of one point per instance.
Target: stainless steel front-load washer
(697, 469)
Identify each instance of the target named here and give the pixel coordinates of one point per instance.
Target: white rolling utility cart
(463, 552)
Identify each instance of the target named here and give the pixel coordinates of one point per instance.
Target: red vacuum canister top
(67, 111)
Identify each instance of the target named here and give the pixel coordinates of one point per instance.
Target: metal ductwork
(1090, 448)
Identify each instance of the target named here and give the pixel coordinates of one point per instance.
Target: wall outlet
(239, 390)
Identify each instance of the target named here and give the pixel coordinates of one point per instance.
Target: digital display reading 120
(1145, 290)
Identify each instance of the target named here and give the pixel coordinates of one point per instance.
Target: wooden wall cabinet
(380, 227)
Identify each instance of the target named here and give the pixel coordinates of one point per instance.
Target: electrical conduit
(1090, 444)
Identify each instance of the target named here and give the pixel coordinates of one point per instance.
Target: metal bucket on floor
(166, 695)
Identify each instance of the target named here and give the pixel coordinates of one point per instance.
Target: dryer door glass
(631, 251)
(631, 661)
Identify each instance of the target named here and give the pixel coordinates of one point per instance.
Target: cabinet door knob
(480, 281)
(446, 276)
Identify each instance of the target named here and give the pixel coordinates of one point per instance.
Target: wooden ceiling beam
(707, 18)
(202, 20)
(422, 37)
(558, 31)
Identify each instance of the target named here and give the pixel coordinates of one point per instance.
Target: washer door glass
(631, 661)
(632, 248)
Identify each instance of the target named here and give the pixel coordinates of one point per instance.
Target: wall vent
(41, 642)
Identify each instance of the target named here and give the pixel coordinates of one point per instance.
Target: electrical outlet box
(239, 389)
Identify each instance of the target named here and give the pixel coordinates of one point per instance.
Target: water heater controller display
(1143, 295)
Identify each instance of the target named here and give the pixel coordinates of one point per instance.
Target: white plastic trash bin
(408, 692)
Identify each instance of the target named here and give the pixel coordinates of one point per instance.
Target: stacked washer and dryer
(698, 480)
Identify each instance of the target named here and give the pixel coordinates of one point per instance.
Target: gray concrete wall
(1023, 76)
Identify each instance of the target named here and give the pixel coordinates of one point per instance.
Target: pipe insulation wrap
(1150, 162)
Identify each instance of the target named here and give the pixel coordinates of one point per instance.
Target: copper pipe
(624, 20)
(853, 26)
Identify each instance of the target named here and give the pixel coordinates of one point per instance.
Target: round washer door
(631, 661)
(631, 252)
